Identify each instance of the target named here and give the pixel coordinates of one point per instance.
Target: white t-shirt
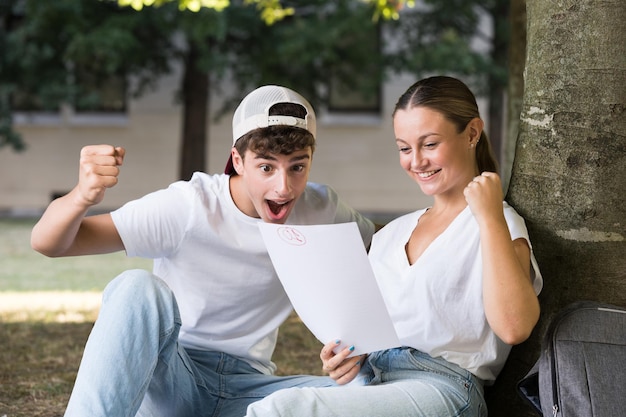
(436, 304)
(213, 258)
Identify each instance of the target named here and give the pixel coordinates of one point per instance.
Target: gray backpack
(582, 367)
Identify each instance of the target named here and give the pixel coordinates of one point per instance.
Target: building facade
(355, 154)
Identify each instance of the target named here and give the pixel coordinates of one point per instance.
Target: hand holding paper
(327, 276)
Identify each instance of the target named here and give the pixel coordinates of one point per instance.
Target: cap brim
(229, 169)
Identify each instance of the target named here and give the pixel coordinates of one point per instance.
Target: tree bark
(569, 173)
(195, 109)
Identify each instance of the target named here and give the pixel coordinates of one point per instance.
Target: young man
(195, 337)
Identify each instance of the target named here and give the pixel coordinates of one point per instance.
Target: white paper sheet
(328, 278)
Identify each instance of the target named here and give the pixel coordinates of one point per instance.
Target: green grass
(23, 269)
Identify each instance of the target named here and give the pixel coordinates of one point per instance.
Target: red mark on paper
(291, 235)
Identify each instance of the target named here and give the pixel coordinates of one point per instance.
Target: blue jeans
(133, 364)
(401, 382)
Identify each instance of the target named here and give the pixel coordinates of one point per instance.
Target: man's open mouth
(277, 208)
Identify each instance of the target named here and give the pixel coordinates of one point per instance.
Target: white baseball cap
(253, 113)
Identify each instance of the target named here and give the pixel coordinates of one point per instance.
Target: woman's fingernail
(337, 341)
(351, 348)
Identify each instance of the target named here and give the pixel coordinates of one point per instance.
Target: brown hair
(278, 139)
(454, 100)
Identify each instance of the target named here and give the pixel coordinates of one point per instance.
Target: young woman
(459, 278)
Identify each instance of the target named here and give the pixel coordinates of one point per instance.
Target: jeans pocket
(190, 366)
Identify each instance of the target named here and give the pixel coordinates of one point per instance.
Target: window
(343, 99)
(89, 95)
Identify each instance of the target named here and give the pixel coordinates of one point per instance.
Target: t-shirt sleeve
(517, 228)
(154, 225)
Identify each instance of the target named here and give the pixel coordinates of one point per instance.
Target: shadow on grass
(38, 364)
(39, 361)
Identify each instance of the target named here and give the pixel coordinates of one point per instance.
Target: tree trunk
(195, 109)
(569, 173)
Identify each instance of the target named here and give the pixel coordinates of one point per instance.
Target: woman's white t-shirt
(436, 304)
(213, 258)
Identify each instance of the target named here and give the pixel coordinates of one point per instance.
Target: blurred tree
(55, 47)
(54, 53)
(438, 36)
(8, 137)
(515, 86)
(322, 40)
(318, 47)
(271, 10)
(324, 46)
(435, 36)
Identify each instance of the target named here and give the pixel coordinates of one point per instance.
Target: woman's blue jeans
(400, 382)
(133, 364)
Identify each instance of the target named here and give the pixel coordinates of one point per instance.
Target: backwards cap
(253, 113)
